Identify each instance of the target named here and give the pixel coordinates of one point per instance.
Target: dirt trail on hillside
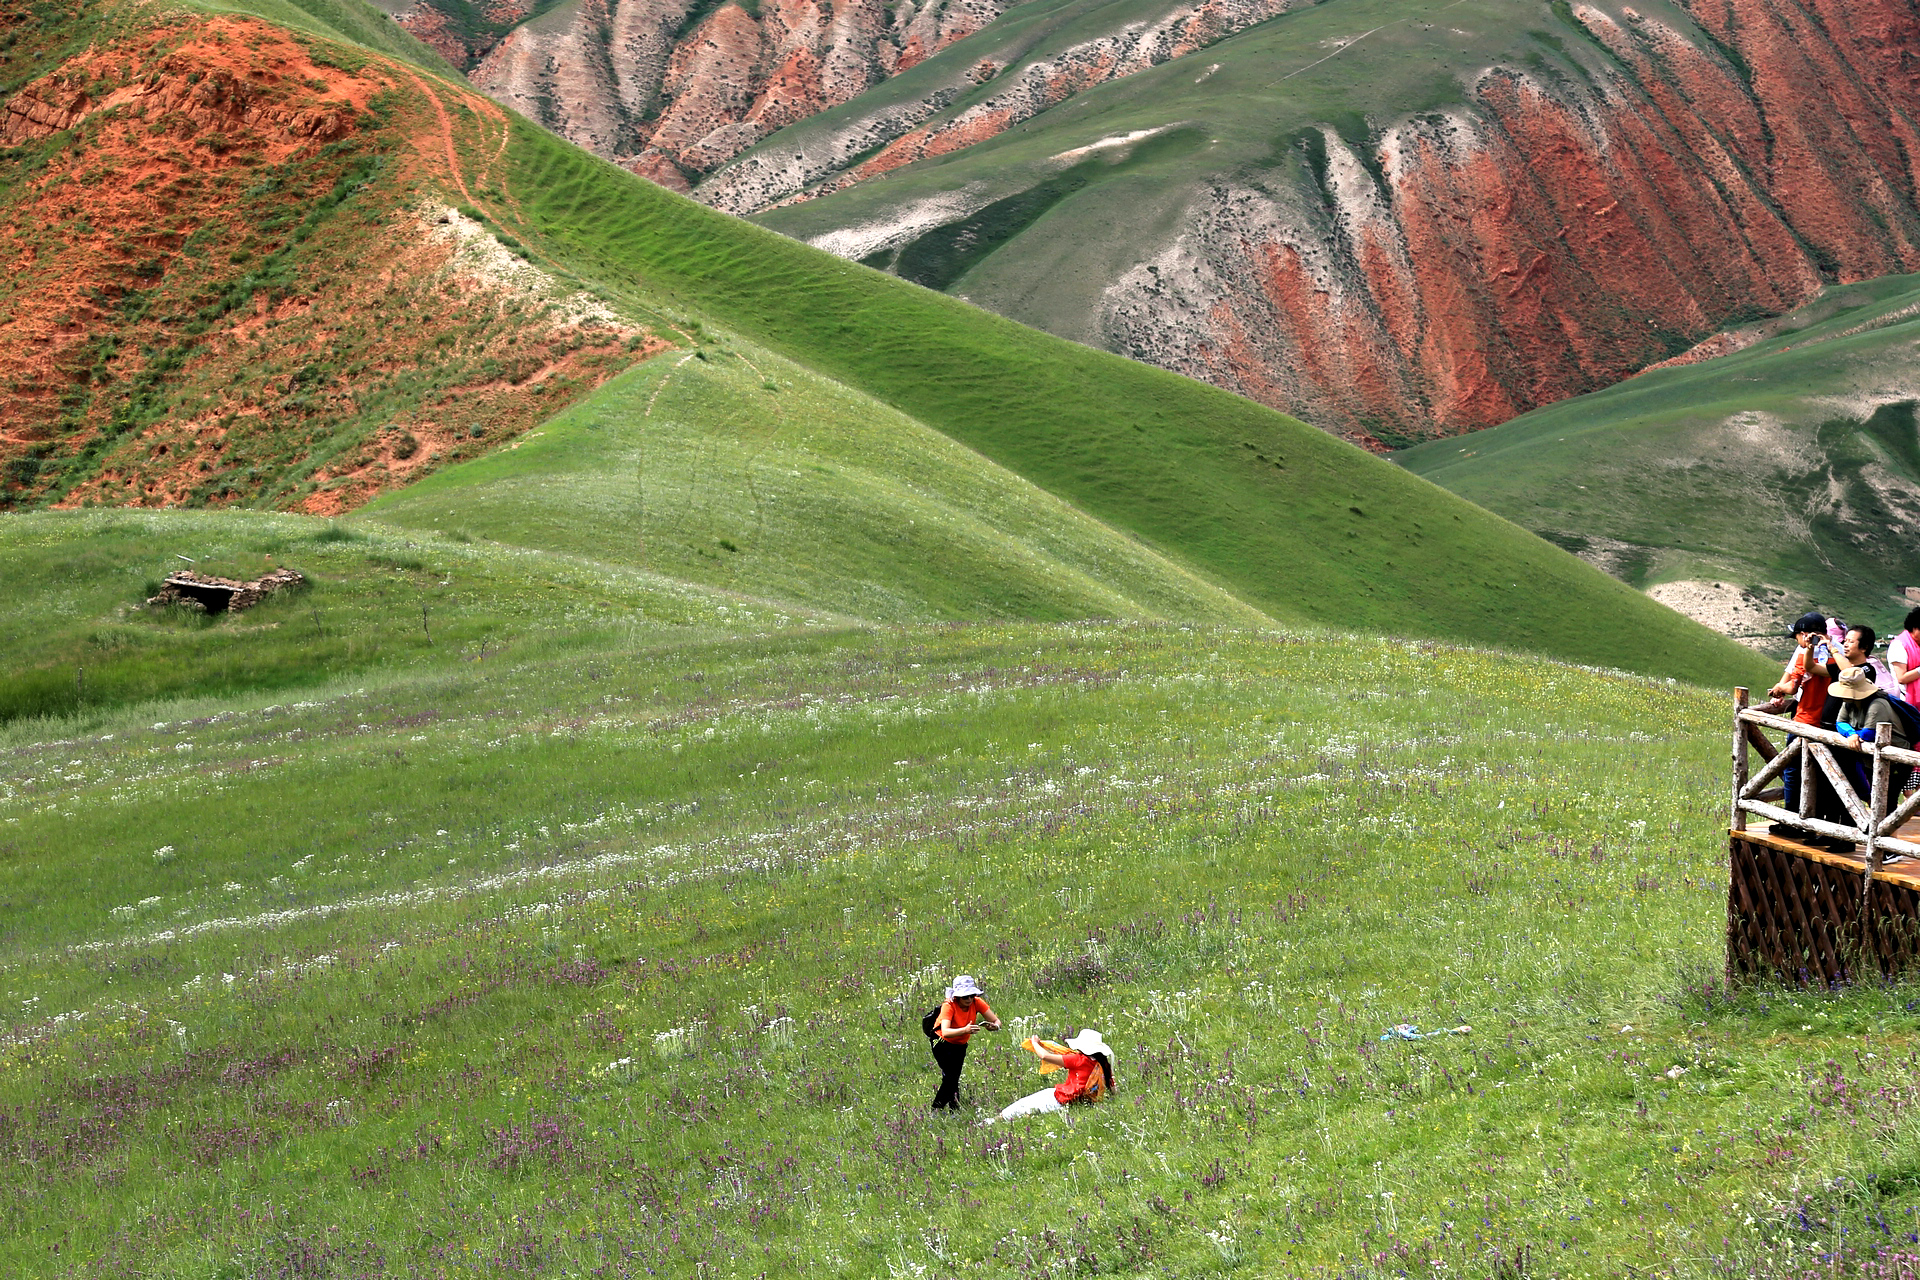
(445, 134)
(486, 111)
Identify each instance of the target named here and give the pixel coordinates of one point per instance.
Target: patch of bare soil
(220, 282)
(1749, 615)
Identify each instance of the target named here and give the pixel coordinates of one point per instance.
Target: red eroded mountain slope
(1602, 195)
(228, 278)
(1554, 243)
(1593, 203)
(673, 88)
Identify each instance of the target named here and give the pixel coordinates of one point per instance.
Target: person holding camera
(964, 1012)
(1805, 680)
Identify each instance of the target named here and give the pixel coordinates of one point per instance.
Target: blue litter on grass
(1407, 1031)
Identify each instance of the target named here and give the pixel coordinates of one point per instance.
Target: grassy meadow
(553, 886)
(606, 957)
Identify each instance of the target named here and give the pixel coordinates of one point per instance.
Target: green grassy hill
(1217, 495)
(1789, 469)
(1293, 522)
(734, 467)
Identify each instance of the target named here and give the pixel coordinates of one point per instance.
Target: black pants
(951, 1058)
(1861, 776)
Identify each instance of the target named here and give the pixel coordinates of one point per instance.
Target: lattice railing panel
(1802, 921)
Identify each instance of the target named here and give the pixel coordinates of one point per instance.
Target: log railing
(1875, 820)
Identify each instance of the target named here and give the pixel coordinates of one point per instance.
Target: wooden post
(1738, 820)
(1805, 776)
(1877, 811)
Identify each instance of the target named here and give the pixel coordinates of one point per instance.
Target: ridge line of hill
(1233, 490)
(1293, 523)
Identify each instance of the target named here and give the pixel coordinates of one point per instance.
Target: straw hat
(964, 985)
(1853, 683)
(1089, 1043)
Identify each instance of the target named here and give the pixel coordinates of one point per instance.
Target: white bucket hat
(1089, 1042)
(964, 985)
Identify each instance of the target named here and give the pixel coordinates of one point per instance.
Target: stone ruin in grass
(223, 595)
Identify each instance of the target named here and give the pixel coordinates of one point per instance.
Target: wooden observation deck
(1800, 913)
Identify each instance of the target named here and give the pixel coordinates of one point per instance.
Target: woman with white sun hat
(950, 1028)
(1089, 1067)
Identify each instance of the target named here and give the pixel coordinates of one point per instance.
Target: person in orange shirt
(965, 1011)
(1807, 675)
(1089, 1066)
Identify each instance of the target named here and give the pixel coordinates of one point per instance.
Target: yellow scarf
(1034, 1044)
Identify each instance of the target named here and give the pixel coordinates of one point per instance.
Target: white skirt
(1034, 1104)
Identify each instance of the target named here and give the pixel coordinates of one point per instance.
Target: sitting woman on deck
(1858, 705)
(1089, 1066)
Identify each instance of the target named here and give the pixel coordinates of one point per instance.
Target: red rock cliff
(1550, 238)
(672, 90)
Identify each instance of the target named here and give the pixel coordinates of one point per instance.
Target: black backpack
(1909, 718)
(931, 1023)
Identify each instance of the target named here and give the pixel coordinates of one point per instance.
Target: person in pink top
(1903, 655)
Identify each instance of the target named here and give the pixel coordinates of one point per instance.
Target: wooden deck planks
(1902, 871)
